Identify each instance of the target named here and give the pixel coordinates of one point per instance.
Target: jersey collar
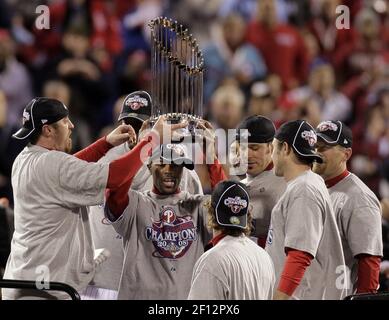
(214, 241)
(333, 181)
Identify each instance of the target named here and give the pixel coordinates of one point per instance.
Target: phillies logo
(168, 215)
(235, 204)
(310, 136)
(172, 236)
(136, 102)
(327, 125)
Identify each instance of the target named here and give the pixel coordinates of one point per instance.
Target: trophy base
(184, 133)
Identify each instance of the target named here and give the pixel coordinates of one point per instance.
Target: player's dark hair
(304, 160)
(234, 232)
(34, 137)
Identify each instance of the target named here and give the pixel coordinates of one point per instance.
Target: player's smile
(169, 182)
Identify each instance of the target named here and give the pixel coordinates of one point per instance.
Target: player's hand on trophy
(162, 127)
(206, 131)
(121, 134)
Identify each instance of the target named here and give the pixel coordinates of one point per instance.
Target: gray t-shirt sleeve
(304, 225)
(81, 183)
(123, 224)
(364, 231)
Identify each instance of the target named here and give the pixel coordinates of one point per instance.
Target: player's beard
(69, 145)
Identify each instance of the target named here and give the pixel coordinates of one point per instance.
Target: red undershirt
(368, 265)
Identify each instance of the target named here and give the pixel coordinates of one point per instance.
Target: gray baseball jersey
(235, 269)
(303, 219)
(163, 237)
(264, 190)
(358, 214)
(104, 235)
(52, 238)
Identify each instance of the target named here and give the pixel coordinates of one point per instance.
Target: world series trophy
(177, 66)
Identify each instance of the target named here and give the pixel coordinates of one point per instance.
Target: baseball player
(52, 190)
(233, 267)
(303, 240)
(357, 209)
(164, 229)
(136, 108)
(263, 186)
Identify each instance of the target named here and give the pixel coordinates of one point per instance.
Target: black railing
(52, 286)
(369, 296)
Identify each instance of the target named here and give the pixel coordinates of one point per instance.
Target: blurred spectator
(190, 12)
(323, 26)
(245, 8)
(59, 90)
(135, 73)
(333, 105)
(281, 45)
(14, 79)
(227, 104)
(362, 89)
(90, 86)
(9, 149)
(366, 160)
(369, 47)
(230, 56)
(135, 23)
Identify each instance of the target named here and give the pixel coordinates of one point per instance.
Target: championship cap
(38, 112)
(173, 153)
(230, 200)
(260, 129)
(136, 105)
(335, 133)
(301, 136)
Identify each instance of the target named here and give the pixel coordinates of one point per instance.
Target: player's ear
(348, 153)
(47, 131)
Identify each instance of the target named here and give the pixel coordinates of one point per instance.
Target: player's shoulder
(357, 192)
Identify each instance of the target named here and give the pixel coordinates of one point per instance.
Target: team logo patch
(172, 236)
(310, 136)
(327, 125)
(235, 204)
(136, 102)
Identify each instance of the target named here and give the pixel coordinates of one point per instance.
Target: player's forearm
(95, 151)
(216, 173)
(295, 265)
(368, 273)
(124, 169)
(278, 295)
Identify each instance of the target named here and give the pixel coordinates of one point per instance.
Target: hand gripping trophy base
(188, 132)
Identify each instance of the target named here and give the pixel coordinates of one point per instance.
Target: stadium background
(284, 59)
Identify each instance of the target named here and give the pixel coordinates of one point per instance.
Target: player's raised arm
(98, 149)
(123, 170)
(215, 169)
